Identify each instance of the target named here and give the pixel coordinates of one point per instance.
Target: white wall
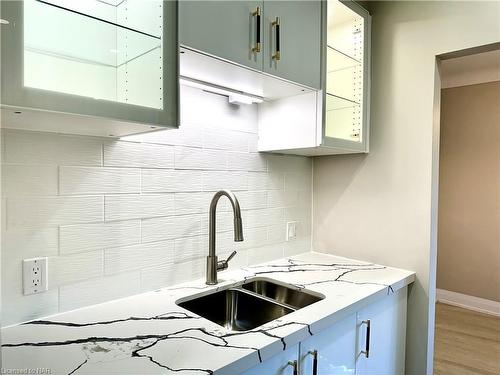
(119, 217)
(382, 206)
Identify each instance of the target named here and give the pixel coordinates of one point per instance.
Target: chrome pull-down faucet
(212, 264)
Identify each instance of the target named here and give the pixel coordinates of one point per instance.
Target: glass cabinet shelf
(338, 60)
(94, 45)
(343, 117)
(83, 37)
(334, 102)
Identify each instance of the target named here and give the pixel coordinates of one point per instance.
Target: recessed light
(4, 21)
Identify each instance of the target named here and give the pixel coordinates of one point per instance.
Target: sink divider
(257, 295)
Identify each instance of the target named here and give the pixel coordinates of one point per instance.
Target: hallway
(466, 342)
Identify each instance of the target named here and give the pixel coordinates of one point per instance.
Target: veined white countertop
(149, 334)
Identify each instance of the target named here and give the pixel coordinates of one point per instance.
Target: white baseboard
(481, 305)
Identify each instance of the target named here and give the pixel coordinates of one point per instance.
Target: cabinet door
(346, 76)
(292, 40)
(335, 349)
(225, 29)
(277, 365)
(385, 340)
(92, 58)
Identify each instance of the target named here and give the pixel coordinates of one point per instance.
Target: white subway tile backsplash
(279, 198)
(29, 243)
(265, 181)
(89, 180)
(251, 200)
(246, 162)
(289, 163)
(197, 158)
(184, 136)
(121, 259)
(276, 234)
(42, 148)
(189, 248)
(49, 211)
(140, 155)
(168, 274)
(17, 308)
(76, 267)
(192, 203)
(165, 228)
(265, 253)
(135, 206)
(159, 180)
(225, 139)
(264, 217)
(85, 237)
(132, 215)
(98, 290)
(29, 180)
(231, 180)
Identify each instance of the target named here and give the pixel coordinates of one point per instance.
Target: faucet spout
(212, 264)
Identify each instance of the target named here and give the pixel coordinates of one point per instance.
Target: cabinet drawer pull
(276, 25)
(295, 366)
(256, 14)
(314, 353)
(366, 352)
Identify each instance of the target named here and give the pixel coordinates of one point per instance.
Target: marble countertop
(149, 334)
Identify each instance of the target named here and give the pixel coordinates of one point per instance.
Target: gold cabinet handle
(276, 24)
(256, 14)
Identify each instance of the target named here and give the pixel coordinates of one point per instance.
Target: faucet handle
(224, 264)
(231, 256)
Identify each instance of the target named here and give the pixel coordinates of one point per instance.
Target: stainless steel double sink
(250, 305)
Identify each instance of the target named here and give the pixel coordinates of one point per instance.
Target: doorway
(467, 335)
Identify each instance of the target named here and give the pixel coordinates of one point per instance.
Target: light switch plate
(291, 230)
(35, 275)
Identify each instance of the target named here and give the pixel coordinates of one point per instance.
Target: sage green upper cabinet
(230, 30)
(292, 40)
(244, 32)
(106, 68)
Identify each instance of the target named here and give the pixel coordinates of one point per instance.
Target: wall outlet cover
(291, 230)
(35, 275)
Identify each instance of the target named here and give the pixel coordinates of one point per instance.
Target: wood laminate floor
(466, 342)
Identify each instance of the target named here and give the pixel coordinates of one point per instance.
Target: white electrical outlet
(291, 230)
(35, 275)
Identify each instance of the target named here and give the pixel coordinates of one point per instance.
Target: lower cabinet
(368, 342)
(331, 351)
(285, 363)
(381, 328)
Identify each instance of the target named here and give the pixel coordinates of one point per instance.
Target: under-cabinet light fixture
(234, 96)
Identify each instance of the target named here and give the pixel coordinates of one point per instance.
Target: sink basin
(294, 298)
(250, 305)
(236, 309)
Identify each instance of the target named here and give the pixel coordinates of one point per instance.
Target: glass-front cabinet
(334, 119)
(100, 59)
(345, 72)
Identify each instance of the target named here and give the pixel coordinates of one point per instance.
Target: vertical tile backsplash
(119, 217)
